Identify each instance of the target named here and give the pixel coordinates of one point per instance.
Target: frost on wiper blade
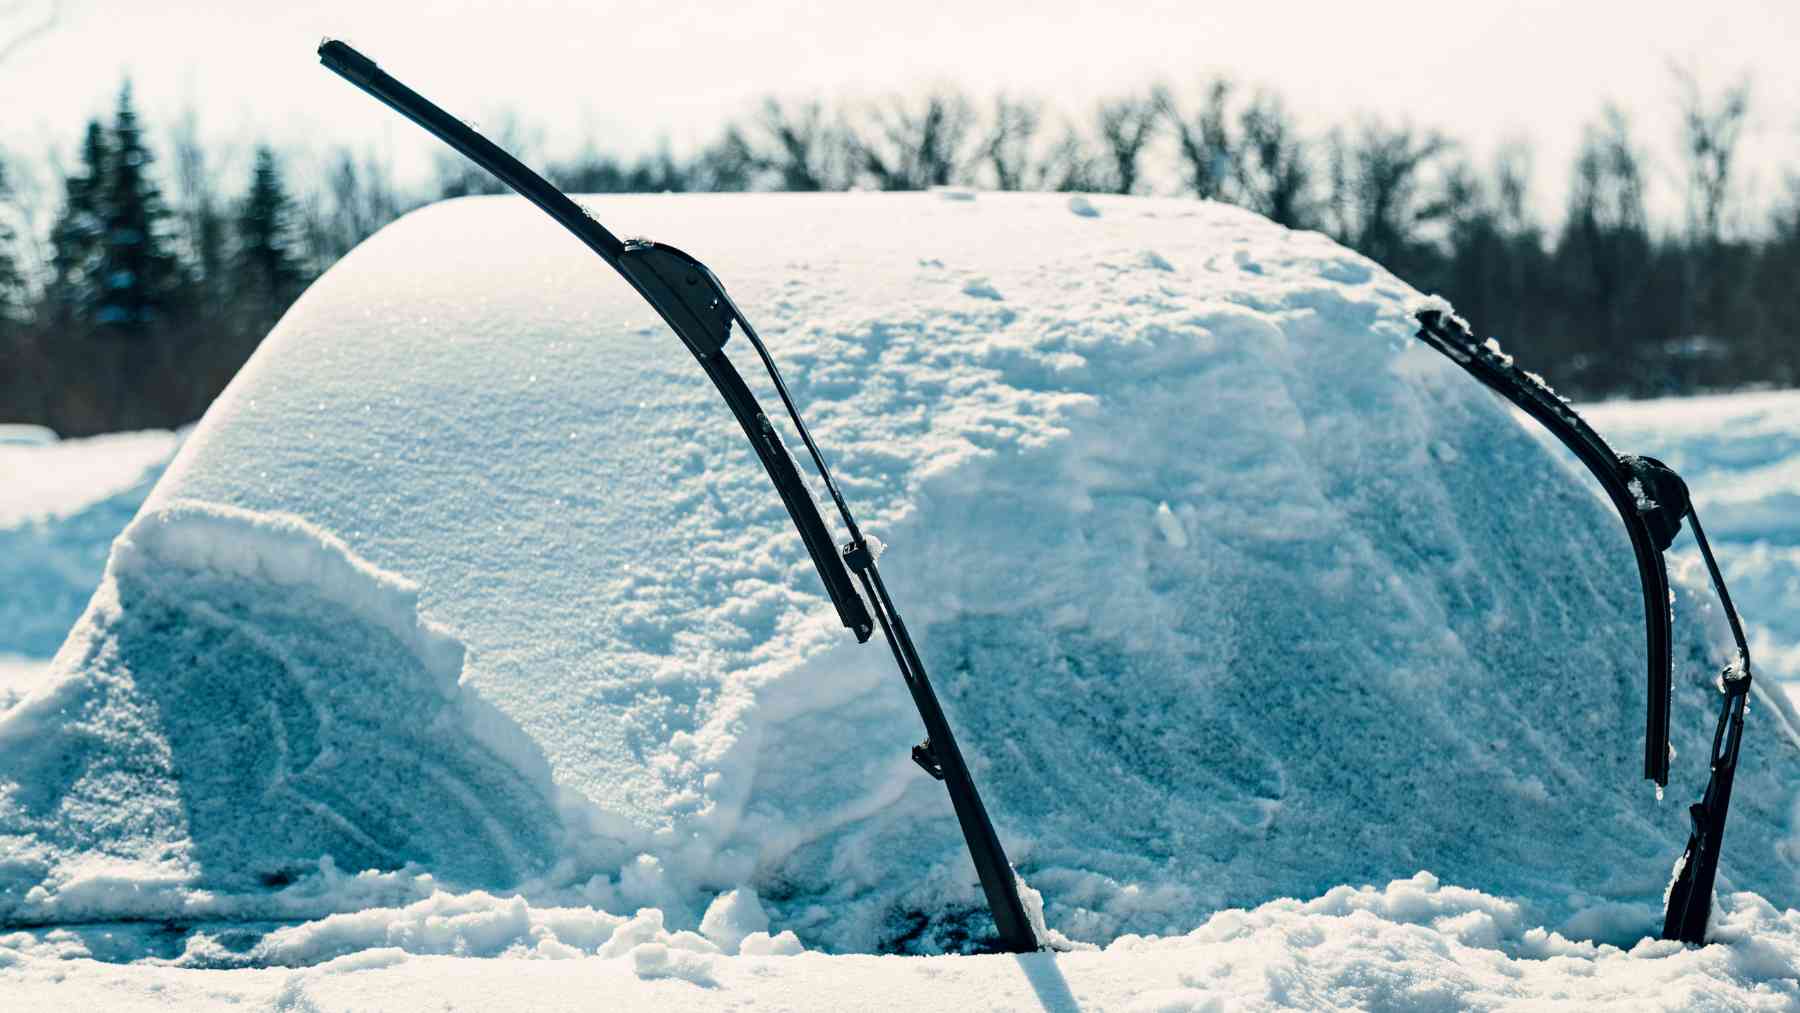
(1652, 501)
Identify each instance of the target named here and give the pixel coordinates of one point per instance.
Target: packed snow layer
(1415, 945)
(1233, 592)
(1740, 454)
(61, 503)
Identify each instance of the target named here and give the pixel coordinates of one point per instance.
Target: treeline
(155, 279)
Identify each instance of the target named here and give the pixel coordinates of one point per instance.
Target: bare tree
(917, 144)
(1072, 165)
(13, 299)
(1379, 202)
(1608, 188)
(1710, 130)
(595, 172)
(358, 197)
(1274, 169)
(459, 177)
(1512, 187)
(728, 165)
(1126, 126)
(25, 212)
(1604, 251)
(1786, 218)
(1205, 142)
(1010, 142)
(802, 147)
(1777, 348)
(202, 222)
(1490, 257)
(1715, 271)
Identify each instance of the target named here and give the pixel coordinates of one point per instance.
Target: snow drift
(1232, 591)
(1415, 945)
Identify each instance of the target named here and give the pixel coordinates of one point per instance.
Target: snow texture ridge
(233, 543)
(1233, 592)
(246, 699)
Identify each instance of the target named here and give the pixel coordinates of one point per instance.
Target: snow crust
(468, 602)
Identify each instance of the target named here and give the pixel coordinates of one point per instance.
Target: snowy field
(1740, 454)
(61, 504)
(465, 630)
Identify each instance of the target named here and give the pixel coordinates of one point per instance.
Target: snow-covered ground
(61, 503)
(1415, 945)
(1740, 455)
(466, 627)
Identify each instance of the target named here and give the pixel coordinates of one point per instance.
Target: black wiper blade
(361, 71)
(1688, 906)
(1653, 502)
(693, 302)
(681, 290)
(1451, 336)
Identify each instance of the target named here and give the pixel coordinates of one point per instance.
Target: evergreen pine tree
(139, 277)
(76, 237)
(268, 271)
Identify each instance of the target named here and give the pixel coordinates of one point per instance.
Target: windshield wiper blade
(1652, 501)
(693, 302)
(1688, 905)
(680, 288)
(1451, 336)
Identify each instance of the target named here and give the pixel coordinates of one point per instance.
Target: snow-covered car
(466, 624)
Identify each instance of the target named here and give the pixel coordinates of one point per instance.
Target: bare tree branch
(1710, 130)
(915, 145)
(1007, 148)
(1207, 147)
(1126, 126)
(1274, 170)
(808, 148)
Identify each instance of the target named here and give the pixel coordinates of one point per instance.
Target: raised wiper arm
(1688, 906)
(1652, 501)
(681, 290)
(1451, 336)
(693, 302)
(361, 71)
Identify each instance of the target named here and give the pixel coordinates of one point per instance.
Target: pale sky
(637, 72)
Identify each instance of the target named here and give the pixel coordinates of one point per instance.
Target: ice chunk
(733, 915)
(761, 944)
